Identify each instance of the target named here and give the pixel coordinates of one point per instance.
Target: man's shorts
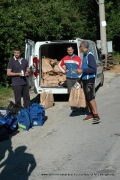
(89, 89)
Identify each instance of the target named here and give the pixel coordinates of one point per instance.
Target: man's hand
(66, 70)
(18, 74)
(78, 71)
(64, 67)
(26, 73)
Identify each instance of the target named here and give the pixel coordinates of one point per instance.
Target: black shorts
(89, 89)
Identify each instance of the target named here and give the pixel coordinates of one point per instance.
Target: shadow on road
(6, 146)
(80, 111)
(57, 98)
(36, 99)
(61, 97)
(18, 165)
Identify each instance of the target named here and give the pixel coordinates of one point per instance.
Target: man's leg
(26, 96)
(17, 94)
(90, 115)
(90, 96)
(94, 106)
(89, 107)
(96, 118)
(88, 87)
(70, 84)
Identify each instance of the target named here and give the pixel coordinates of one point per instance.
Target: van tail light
(35, 64)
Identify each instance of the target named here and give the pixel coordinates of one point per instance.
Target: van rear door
(93, 49)
(29, 55)
(29, 51)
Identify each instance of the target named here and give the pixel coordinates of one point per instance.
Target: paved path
(66, 147)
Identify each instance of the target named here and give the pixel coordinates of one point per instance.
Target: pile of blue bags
(22, 119)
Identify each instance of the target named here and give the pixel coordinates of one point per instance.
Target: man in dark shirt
(18, 70)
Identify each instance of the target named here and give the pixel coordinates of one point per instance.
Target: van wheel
(102, 80)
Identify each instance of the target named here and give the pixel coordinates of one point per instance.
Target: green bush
(116, 56)
(5, 94)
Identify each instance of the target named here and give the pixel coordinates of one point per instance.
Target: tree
(113, 23)
(38, 20)
(48, 20)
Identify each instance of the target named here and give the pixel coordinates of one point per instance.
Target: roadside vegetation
(51, 20)
(116, 56)
(5, 94)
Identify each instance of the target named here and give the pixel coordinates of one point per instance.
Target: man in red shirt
(68, 65)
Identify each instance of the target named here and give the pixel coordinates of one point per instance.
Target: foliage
(113, 22)
(116, 56)
(5, 94)
(50, 20)
(38, 20)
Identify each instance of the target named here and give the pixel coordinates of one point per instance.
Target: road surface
(66, 147)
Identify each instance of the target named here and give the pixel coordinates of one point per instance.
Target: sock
(91, 113)
(96, 114)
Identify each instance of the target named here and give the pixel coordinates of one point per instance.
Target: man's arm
(60, 65)
(80, 63)
(9, 70)
(91, 66)
(10, 73)
(27, 71)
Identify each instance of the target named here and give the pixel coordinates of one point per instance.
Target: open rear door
(78, 45)
(29, 51)
(29, 55)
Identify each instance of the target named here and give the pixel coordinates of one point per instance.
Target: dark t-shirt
(16, 66)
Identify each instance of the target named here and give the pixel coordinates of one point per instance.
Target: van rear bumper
(54, 90)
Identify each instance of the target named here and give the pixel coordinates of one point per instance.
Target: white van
(56, 50)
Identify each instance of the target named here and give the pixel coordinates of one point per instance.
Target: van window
(29, 53)
(93, 50)
(98, 52)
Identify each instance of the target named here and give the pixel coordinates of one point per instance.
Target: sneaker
(96, 120)
(89, 117)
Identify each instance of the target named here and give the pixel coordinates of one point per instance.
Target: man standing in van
(18, 69)
(67, 65)
(88, 71)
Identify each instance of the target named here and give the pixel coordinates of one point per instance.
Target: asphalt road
(70, 148)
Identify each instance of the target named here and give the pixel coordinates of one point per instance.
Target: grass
(116, 56)
(5, 94)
